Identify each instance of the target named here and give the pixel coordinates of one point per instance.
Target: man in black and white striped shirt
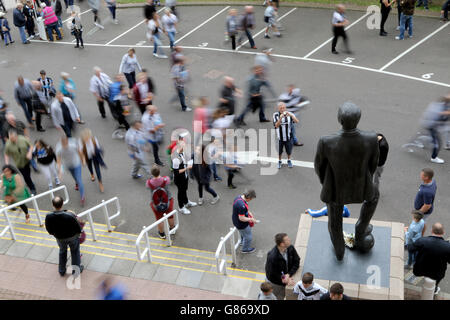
(282, 121)
(47, 88)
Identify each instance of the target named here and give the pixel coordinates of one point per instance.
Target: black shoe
(162, 235)
(279, 35)
(159, 163)
(41, 130)
(33, 192)
(383, 33)
(298, 144)
(77, 46)
(232, 186)
(266, 36)
(12, 41)
(62, 274)
(103, 116)
(265, 120)
(334, 52)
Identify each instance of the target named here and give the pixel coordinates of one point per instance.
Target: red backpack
(160, 196)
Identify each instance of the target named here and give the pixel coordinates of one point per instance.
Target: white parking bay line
(328, 41)
(414, 46)
(296, 163)
(261, 31)
(199, 26)
(79, 15)
(132, 28)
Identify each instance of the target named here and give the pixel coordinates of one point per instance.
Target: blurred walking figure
(95, 6)
(135, 140)
(170, 21)
(180, 165)
(23, 91)
(227, 95)
(270, 15)
(202, 173)
(232, 26)
(67, 86)
(247, 24)
(180, 75)
(92, 153)
(76, 29)
(46, 159)
(153, 129)
(99, 86)
(128, 67)
(5, 30)
(171, 4)
(109, 290)
(143, 91)
(39, 103)
(64, 114)
(122, 106)
(444, 11)
(112, 8)
(162, 199)
(339, 22)
(154, 33)
(69, 156)
(57, 7)
(433, 119)
(14, 188)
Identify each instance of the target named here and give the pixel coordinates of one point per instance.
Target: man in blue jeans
(406, 18)
(69, 155)
(242, 219)
(19, 20)
(64, 226)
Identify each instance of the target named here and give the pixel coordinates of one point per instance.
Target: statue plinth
(374, 275)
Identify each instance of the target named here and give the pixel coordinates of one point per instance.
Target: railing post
(105, 211)
(224, 249)
(233, 250)
(149, 254)
(36, 208)
(167, 230)
(91, 223)
(11, 229)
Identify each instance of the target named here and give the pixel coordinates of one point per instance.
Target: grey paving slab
(237, 287)
(166, 274)
(122, 267)
(4, 245)
(100, 264)
(355, 267)
(212, 282)
(144, 270)
(254, 290)
(189, 278)
(39, 253)
(86, 258)
(53, 257)
(18, 249)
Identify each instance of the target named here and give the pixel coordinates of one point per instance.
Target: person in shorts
(269, 18)
(160, 182)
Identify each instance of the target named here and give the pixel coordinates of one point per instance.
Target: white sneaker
(398, 27)
(200, 201)
(185, 210)
(99, 25)
(191, 204)
(437, 290)
(156, 55)
(116, 21)
(437, 160)
(188, 109)
(215, 200)
(162, 56)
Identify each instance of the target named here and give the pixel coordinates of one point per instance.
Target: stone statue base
(374, 275)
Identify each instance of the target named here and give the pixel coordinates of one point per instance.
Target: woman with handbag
(92, 152)
(76, 29)
(14, 188)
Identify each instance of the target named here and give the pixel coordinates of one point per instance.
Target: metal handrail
(221, 260)
(106, 213)
(167, 231)
(32, 199)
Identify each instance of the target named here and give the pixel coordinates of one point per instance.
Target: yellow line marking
(130, 259)
(130, 234)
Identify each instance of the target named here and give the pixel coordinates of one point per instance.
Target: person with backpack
(161, 200)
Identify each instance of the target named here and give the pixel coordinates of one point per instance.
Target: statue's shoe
(366, 243)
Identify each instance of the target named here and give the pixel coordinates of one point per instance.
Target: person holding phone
(180, 165)
(283, 121)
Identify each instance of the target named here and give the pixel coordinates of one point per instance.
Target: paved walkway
(24, 279)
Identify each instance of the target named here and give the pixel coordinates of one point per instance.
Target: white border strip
(326, 42)
(254, 36)
(414, 46)
(442, 84)
(199, 26)
(132, 28)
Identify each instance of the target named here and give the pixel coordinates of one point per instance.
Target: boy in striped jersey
(282, 120)
(307, 289)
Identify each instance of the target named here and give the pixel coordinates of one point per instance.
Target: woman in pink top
(201, 119)
(50, 21)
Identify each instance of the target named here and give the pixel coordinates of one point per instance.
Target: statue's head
(349, 115)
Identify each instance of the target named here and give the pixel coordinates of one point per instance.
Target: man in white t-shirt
(307, 289)
(339, 22)
(170, 21)
(270, 15)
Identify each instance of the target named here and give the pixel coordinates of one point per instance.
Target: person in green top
(14, 188)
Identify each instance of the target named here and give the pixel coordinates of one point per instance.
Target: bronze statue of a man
(345, 163)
